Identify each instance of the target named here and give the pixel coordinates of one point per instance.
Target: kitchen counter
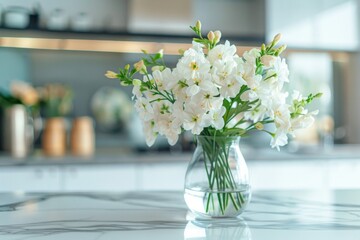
(126, 155)
(163, 215)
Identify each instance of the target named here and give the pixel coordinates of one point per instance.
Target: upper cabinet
(324, 24)
(238, 18)
(122, 25)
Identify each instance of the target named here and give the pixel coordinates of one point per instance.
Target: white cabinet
(299, 174)
(113, 177)
(344, 174)
(165, 176)
(30, 178)
(264, 174)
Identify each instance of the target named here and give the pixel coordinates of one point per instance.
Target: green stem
(219, 174)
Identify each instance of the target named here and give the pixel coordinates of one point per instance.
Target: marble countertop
(163, 215)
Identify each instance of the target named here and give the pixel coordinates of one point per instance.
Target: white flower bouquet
(218, 95)
(213, 91)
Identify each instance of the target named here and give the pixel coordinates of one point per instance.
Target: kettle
(17, 131)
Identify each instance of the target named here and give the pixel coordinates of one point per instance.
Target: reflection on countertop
(111, 155)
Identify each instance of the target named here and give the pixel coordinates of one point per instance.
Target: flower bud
(140, 66)
(217, 36)
(198, 25)
(127, 67)
(259, 126)
(211, 36)
(276, 39)
(263, 47)
(123, 83)
(159, 68)
(136, 82)
(161, 53)
(111, 74)
(268, 60)
(280, 50)
(181, 51)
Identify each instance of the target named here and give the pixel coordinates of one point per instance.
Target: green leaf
(242, 107)
(157, 56)
(226, 103)
(198, 40)
(146, 61)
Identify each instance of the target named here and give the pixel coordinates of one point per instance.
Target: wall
(327, 24)
(14, 65)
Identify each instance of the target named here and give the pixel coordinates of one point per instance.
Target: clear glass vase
(217, 179)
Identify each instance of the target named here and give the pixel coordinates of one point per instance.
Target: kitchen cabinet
(115, 177)
(100, 178)
(93, 177)
(342, 176)
(30, 179)
(288, 175)
(166, 176)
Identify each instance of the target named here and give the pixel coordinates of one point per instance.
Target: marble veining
(163, 215)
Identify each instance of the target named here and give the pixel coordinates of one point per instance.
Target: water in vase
(205, 203)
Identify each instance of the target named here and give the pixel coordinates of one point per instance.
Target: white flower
(199, 91)
(223, 69)
(136, 91)
(256, 114)
(249, 75)
(282, 70)
(221, 52)
(296, 95)
(208, 99)
(178, 112)
(191, 63)
(303, 121)
(161, 78)
(150, 133)
(251, 56)
(168, 127)
(279, 139)
(178, 85)
(199, 82)
(230, 88)
(198, 47)
(193, 118)
(144, 109)
(281, 116)
(215, 118)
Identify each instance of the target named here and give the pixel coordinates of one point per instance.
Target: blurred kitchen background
(63, 48)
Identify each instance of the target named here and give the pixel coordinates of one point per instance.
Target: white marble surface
(163, 215)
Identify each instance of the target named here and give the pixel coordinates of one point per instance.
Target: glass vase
(217, 179)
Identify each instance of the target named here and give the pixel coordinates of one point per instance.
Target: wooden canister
(54, 137)
(82, 137)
